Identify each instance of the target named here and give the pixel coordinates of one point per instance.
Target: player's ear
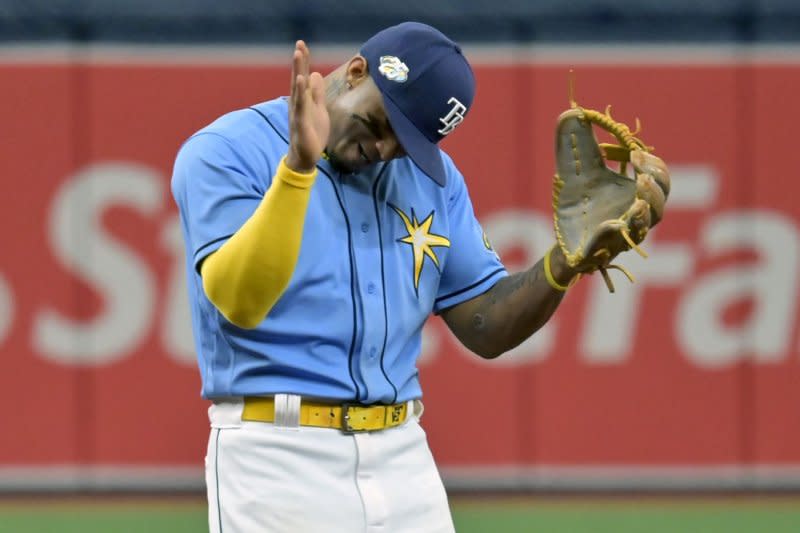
(356, 71)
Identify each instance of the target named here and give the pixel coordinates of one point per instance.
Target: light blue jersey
(381, 250)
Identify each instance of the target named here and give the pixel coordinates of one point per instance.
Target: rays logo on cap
(393, 69)
(454, 117)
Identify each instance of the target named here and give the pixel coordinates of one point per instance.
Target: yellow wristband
(549, 275)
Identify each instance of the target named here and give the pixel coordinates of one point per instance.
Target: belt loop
(416, 408)
(280, 410)
(287, 411)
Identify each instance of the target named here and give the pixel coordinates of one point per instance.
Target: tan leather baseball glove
(600, 212)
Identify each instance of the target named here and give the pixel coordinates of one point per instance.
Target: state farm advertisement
(696, 363)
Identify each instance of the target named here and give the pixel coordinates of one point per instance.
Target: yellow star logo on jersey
(421, 240)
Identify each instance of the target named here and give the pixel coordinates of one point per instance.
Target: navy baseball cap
(427, 86)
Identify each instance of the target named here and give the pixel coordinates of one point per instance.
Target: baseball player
(321, 232)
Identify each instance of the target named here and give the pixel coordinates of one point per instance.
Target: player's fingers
(317, 85)
(299, 98)
(296, 60)
(306, 56)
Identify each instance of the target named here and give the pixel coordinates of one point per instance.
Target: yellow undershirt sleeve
(246, 275)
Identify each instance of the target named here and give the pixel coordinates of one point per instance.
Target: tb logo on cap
(454, 117)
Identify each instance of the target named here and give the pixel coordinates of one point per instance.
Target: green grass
(104, 518)
(618, 517)
(474, 516)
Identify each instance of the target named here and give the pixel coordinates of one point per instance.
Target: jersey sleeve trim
(469, 292)
(207, 249)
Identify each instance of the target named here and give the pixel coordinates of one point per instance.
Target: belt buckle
(347, 429)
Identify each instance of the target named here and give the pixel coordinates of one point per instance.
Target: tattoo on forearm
(513, 283)
(504, 306)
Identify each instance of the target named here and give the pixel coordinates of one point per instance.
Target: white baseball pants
(265, 478)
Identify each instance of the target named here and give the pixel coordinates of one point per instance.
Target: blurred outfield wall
(686, 379)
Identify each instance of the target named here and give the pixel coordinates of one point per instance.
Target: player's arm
(512, 310)
(247, 275)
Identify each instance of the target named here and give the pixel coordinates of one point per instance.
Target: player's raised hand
(309, 124)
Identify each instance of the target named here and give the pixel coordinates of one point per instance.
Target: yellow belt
(349, 418)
